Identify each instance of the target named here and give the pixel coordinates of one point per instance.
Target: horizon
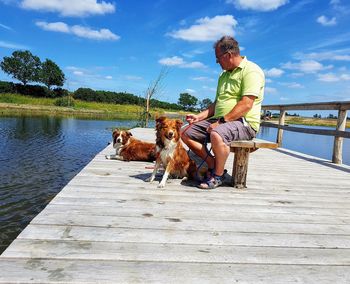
(302, 46)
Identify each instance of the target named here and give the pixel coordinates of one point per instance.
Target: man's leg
(199, 149)
(221, 152)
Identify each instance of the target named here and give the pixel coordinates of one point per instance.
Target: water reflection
(38, 156)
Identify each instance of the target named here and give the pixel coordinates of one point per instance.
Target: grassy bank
(311, 121)
(15, 104)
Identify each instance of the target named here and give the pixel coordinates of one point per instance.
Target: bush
(32, 90)
(7, 87)
(66, 101)
(85, 94)
(59, 93)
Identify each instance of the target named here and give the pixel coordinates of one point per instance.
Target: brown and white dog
(129, 148)
(170, 152)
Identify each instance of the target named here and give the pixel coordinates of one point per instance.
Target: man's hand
(192, 118)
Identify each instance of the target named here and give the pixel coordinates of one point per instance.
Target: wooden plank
(87, 271)
(317, 131)
(241, 215)
(70, 250)
(187, 223)
(339, 105)
(278, 207)
(255, 143)
(175, 236)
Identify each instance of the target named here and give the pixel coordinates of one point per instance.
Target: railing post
(337, 157)
(280, 131)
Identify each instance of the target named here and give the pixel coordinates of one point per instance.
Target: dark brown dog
(170, 151)
(129, 148)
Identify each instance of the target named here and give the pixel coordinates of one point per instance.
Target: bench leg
(240, 168)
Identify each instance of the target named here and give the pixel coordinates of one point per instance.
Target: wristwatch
(222, 119)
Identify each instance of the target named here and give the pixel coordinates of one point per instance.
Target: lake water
(40, 155)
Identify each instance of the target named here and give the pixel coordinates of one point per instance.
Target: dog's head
(120, 137)
(167, 130)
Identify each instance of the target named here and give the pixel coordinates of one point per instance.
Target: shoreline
(14, 109)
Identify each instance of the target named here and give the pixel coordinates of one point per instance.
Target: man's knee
(215, 137)
(184, 136)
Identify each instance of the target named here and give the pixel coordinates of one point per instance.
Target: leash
(208, 151)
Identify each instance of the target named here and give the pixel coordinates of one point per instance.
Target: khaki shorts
(229, 131)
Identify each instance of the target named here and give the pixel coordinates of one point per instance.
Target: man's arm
(238, 111)
(241, 108)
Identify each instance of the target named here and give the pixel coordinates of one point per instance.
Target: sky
(302, 46)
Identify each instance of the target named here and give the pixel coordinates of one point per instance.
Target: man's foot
(212, 182)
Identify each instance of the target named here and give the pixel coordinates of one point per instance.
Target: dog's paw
(150, 179)
(184, 179)
(161, 185)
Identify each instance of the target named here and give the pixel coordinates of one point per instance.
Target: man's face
(222, 58)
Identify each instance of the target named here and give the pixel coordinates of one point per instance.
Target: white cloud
(78, 73)
(306, 66)
(179, 62)
(258, 5)
(284, 99)
(324, 21)
(293, 85)
(80, 31)
(72, 8)
(271, 91)
(102, 34)
(10, 45)
(190, 91)
(273, 72)
(54, 27)
(207, 29)
(345, 77)
(171, 61)
(331, 77)
(204, 79)
(334, 55)
(109, 77)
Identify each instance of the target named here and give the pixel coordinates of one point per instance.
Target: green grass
(16, 104)
(311, 121)
(20, 99)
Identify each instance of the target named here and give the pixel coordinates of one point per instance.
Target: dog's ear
(179, 123)
(129, 133)
(115, 131)
(160, 119)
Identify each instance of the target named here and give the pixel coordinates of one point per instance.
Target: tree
(152, 90)
(205, 103)
(187, 101)
(51, 74)
(23, 66)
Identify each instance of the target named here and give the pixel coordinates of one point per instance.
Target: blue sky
(303, 46)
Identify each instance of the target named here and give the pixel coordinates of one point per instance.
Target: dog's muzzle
(170, 135)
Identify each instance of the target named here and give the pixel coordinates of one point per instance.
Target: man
(235, 113)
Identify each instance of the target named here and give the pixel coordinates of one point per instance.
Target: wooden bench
(242, 149)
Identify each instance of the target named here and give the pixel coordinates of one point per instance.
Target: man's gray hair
(227, 44)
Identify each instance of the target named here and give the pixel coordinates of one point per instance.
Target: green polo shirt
(246, 80)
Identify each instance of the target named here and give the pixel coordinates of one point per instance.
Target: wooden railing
(339, 133)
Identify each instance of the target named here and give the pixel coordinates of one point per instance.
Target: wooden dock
(107, 225)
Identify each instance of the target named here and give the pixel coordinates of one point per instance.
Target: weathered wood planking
(109, 226)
